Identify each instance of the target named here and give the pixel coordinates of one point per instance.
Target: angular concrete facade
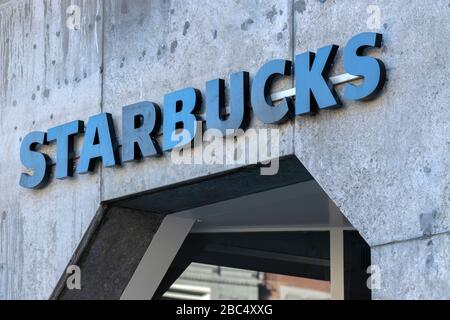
(385, 163)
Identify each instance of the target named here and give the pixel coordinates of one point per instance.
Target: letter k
(313, 90)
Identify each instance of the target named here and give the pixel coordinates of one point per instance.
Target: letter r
(140, 122)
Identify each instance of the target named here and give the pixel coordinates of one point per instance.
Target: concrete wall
(385, 163)
(49, 75)
(155, 47)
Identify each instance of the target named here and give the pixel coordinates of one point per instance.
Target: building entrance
(238, 235)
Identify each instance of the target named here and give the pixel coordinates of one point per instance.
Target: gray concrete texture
(50, 75)
(385, 163)
(155, 47)
(416, 269)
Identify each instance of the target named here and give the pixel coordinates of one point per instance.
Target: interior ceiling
(216, 188)
(302, 206)
(243, 200)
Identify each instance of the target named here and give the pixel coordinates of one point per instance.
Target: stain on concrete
(173, 46)
(299, 6)
(161, 51)
(141, 20)
(46, 93)
(143, 54)
(33, 96)
(427, 222)
(427, 169)
(430, 261)
(187, 24)
(270, 15)
(124, 8)
(246, 24)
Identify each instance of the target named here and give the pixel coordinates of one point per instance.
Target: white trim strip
(335, 81)
(158, 257)
(337, 264)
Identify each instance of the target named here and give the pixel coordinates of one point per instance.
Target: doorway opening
(265, 266)
(234, 235)
(249, 236)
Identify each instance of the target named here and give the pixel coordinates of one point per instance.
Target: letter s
(372, 69)
(39, 162)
